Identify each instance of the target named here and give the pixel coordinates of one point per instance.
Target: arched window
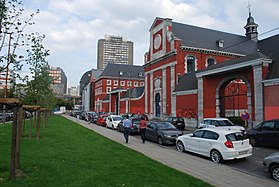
(190, 64)
(210, 61)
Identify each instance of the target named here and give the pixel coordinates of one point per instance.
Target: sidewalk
(215, 174)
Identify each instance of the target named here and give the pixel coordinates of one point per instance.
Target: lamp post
(121, 73)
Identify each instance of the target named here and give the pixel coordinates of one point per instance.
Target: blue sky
(73, 27)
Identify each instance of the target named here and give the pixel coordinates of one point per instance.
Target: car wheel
(274, 172)
(216, 156)
(180, 146)
(160, 140)
(253, 142)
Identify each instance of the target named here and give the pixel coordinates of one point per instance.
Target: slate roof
(204, 38)
(85, 79)
(96, 73)
(270, 47)
(135, 92)
(112, 70)
(188, 81)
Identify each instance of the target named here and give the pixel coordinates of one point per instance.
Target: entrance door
(157, 105)
(233, 99)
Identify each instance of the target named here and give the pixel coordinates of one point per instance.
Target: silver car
(271, 164)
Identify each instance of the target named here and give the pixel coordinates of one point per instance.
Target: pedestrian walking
(127, 124)
(88, 118)
(77, 117)
(142, 128)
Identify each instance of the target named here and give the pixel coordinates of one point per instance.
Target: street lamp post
(129, 101)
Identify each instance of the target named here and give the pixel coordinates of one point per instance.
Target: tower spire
(251, 26)
(249, 8)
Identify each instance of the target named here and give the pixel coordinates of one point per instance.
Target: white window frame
(108, 89)
(122, 83)
(115, 82)
(108, 82)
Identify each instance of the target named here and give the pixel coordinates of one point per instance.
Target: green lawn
(69, 155)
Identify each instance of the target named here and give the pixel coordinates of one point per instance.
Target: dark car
(135, 125)
(265, 134)
(94, 119)
(178, 122)
(162, 132)
(271, 164)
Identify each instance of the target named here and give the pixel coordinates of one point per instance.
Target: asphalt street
(252, 165)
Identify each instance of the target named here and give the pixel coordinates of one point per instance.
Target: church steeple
(251, 27)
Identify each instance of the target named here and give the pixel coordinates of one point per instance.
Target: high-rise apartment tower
(114, 50)
(59, 80)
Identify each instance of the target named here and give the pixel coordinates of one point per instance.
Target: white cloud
(73, 27)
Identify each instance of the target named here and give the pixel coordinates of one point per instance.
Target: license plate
(243, 152)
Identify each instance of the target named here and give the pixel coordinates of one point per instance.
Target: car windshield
(165, 125)
(117, 118)
(236, 136)
(178, 119)
(136, 120)
(225, 123)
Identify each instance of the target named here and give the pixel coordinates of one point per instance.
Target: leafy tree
(12, 34)
(38, 90)
(67, 103)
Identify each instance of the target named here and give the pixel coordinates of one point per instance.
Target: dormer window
(190, 64)
(210, 61)
(140, 74)
(220, 43)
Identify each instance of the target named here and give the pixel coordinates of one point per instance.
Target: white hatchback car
(113, 121)
(218, 144)
(220, 122)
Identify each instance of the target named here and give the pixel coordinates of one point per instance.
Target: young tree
(38, 90)
(12, 35)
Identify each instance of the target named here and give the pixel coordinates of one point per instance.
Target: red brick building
(196, 72)
(120, 89)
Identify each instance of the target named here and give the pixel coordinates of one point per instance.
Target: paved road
(204, 169)
(252, 165)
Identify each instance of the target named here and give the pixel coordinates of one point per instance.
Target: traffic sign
(245, 116)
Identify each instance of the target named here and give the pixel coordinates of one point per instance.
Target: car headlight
(167, 136)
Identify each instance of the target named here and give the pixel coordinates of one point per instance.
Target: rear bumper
(233, 154)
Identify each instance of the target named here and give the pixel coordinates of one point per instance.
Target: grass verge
(70, 155)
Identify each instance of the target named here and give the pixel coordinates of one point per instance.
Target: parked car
(135, 125)
(218, 144)
(265, 134)
(83, 115)
(178, 122)
(102, 120)
(94, 119)
(113, 121)
(57, 112)
(162, 132)
(271, 164)
(220, 122)
(90, 115)
(2, 118)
